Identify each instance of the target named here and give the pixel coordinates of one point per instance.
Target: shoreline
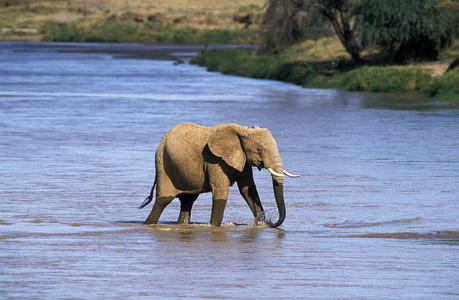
(236, 60)
(173, 52)
(366, 77)
(122, 50)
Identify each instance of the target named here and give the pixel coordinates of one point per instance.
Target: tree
(409, 29)
(282, 19)
(282, 23)
(344, 22)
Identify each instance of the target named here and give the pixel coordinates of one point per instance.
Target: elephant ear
(225, 143)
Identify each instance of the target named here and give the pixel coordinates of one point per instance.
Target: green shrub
(366, 79)
(267, 66)
(445, 86)
(386, 79)
(261, 66)
(57, 31)
(227, 61)
(296, 72)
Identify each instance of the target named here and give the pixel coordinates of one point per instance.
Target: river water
(374, 216)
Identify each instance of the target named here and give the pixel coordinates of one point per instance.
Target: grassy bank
(133, 32)
(332, 74)
(320, 63)
(173, 21)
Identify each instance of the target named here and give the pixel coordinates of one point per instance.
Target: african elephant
(193, 159)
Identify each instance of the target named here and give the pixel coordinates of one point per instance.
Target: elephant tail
(149, 198)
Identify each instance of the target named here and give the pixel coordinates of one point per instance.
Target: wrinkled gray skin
(193, 159)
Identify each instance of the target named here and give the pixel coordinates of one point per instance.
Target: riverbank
(321, 63)
(136, 21)
(371, 75)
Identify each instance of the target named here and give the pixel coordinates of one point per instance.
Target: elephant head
(240, 146)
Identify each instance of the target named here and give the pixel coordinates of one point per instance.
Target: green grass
(331, 75)
(320, 63)
(139, 21)
(445, 86)
(386, 79)
(241, 62)
(132, 32)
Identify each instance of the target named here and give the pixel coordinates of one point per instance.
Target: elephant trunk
(279, 195)
(278, 186)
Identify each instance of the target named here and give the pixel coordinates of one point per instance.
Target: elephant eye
(259, 150)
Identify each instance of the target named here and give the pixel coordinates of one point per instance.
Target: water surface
(374, 215)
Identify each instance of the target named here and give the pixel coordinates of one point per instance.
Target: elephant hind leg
(158, 207)
(186, 204)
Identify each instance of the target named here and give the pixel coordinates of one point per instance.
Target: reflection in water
(411, 102)
(373, 216)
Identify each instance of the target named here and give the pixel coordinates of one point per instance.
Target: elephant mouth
(259, 164)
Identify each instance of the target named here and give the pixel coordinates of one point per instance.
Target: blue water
(374, 215)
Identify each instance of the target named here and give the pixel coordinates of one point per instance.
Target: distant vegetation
(332, 74)
(445, 86)
(407, 30)
(133, 32)
(384, 46)
(360, 45)
(156, 21)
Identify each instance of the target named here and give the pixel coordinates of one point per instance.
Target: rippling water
(373, 216)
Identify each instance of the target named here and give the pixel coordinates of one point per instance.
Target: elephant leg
(186, 203)
(218, 208)
(158, 207)
(250, 195)
(249, 191)
(219, 197)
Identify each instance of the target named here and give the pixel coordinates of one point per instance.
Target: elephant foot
(218, 207)
(149, 221)
(184, 218)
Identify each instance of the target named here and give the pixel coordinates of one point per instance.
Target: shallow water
(373, 216)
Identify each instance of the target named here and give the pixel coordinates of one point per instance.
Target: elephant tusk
(282, 175)
(291, 175)
(275, 173)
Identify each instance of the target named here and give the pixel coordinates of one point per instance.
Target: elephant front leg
(250, 195)
(249, 192)
(218, 208)
(219, 197)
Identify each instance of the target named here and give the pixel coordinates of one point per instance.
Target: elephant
(193, 159)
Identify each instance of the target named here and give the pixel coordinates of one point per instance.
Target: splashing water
(266, 217)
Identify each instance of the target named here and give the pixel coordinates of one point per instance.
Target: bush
(56, 31)
(227, 61)
(267, 66)
(315, 75)
(445, 86)
(386, 79)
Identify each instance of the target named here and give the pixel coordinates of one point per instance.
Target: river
(374, 215)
